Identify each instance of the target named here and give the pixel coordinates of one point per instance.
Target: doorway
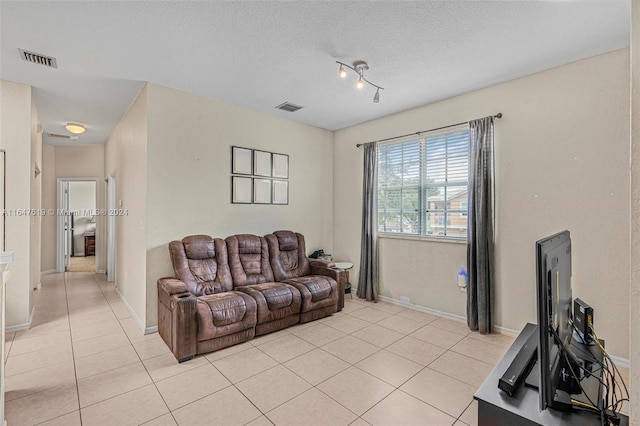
(77, 220)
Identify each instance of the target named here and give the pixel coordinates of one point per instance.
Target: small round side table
(345, 266)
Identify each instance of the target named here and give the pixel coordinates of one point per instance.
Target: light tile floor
(85, 361)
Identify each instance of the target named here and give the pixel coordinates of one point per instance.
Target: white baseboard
(504, 330)
(101, 272)
(49, 272)
(19, 327)
(145, 330)
(454, 317)
(618, 361)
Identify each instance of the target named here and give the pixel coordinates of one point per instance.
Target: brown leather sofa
(228, 291)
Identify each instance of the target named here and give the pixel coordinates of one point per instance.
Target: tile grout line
(74, 366)
(227, 387)
(350, 365)
(73, 357)
(140, 359)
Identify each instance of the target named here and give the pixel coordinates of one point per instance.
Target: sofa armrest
(326, 268)
(177, 323)
(322, 263)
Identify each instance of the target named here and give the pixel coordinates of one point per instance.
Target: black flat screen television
(553, 272)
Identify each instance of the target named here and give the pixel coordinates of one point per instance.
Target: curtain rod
(498, 115)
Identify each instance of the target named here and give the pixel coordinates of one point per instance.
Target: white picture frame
(280, 193)
(280, 166)
(241, 160)
(261, 163)
(261, 191)
(241, 190)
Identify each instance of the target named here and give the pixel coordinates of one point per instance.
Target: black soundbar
(520, 366)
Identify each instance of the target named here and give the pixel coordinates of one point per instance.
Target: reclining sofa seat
(199, 312)
(287, 255)
(278, 304)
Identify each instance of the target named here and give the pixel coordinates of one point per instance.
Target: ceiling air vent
(56, 135)
(289, 107)
(37, 58)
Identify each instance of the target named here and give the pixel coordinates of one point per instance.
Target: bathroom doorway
(77, 219)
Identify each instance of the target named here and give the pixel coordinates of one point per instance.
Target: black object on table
(496, 407)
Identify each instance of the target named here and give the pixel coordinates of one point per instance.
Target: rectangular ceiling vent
(56, 135)
(36, 58)
(289, 107)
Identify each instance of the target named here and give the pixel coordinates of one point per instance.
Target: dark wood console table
(89, 244)
(495, 407)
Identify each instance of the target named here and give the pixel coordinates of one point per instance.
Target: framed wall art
(280, 192)
(241, 190)
(261, 163)
(241, 160)
(262, 191)
(280, 166)
(259, 177)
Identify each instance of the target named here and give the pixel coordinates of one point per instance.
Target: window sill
(421, 238)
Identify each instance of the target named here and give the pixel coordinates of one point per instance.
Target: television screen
(553, 271)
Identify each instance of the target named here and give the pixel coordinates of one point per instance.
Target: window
(423, 185)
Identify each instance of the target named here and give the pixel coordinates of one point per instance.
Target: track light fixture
(360, 67)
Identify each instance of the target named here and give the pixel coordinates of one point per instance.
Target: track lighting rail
(359, 67)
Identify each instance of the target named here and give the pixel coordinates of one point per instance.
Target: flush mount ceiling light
(75, 128)
(360, 67)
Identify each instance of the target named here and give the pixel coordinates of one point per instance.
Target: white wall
(49, 203)
(189, 176)
(126, 154)
(82, 199)
(561, 151)
(15, 138)
(634, 294)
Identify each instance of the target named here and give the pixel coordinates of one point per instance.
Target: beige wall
(86, 161)
(35, 225)
(560, 154)
(15, 138)
(634, 299)
(189, 169)
(126, 156)
(49, 233)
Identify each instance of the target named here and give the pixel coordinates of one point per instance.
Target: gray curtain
(368, 276)
(480, 250)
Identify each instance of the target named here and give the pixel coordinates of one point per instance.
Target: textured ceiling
(260, 54)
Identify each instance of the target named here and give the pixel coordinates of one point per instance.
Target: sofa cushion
(198, 247)
(274, 300)
(248, 258)
(319, 287)
(225, 313)
(226, 309)
(287, 255)
(276, 295)
(287, 240)
(200, 262)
